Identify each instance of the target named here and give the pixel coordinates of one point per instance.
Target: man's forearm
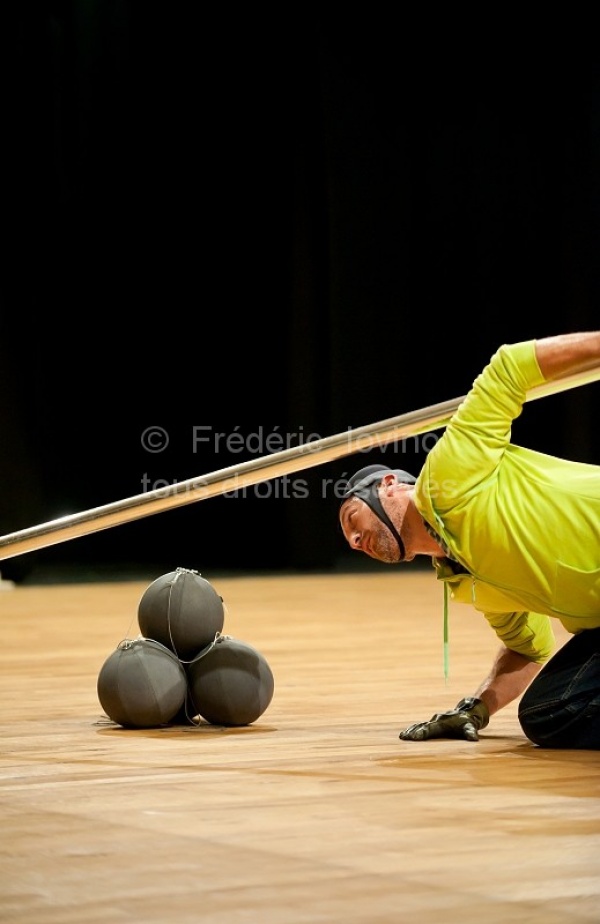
(509, 677)
(568, 354)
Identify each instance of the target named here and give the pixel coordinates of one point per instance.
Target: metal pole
(254, 471)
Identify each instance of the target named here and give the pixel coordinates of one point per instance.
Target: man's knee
(540, 723)
(555, 724)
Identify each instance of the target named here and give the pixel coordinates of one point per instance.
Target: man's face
(364, 532)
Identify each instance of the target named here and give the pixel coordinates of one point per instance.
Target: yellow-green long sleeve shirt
(525, 526)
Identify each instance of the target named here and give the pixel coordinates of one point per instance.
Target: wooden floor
(315, 813)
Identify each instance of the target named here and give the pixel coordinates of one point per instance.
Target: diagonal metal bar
(254, 471)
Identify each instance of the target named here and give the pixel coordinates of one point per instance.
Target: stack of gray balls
(182, 669)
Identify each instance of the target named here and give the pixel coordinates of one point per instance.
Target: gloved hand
(464, 721)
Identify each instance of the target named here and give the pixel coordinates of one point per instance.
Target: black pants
(561, 708)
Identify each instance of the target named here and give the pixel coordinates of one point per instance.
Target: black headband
(364, 485)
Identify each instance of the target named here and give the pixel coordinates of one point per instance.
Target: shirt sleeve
(479, 432)
(529, 634)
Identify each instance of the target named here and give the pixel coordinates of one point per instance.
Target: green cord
(446, 654)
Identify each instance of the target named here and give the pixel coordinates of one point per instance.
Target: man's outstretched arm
(568, 354)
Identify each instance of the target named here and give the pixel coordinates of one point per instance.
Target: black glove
(464, 721)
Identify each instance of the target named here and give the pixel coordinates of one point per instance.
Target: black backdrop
(248, 228)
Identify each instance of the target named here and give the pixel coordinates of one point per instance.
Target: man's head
(366, 525)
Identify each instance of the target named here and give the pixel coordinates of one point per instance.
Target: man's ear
(388, 481)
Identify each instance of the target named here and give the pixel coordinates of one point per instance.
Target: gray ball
(183, 611)
(230, 683)
(141, 684)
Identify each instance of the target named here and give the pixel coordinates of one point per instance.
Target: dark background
(274, 224)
